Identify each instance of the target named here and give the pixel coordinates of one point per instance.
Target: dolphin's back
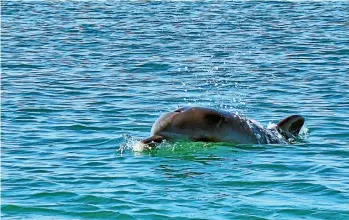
(211, 125)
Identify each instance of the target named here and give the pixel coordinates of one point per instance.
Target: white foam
(271, 125)
(304, 132)
(139, 147)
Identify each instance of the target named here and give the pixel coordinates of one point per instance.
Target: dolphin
(211, 125)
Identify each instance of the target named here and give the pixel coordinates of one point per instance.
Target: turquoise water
(82, 80)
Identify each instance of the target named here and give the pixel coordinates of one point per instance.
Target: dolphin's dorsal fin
(289, 127)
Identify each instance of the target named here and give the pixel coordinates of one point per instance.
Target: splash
(304, 132)
(221, 91)
(267, 135)
(134, 145)
(271, 125)
(130, 144)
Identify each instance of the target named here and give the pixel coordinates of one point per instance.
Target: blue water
(83, 80)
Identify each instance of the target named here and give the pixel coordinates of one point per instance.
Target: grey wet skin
(211, 125)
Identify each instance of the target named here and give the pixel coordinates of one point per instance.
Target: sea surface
(83, 81)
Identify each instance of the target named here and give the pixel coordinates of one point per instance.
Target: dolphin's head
(167, 123)
(163, 123)
(160, 128)
(164, 128)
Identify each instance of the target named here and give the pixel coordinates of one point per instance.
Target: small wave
(80, 127)
(28, 212)
(39, 110)
(100, 215)
(91, 199)
(55, 195)
(10, 208)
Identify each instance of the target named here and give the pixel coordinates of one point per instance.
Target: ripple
(80, 127)
(26, 209)
(55, 195)
(38, 110)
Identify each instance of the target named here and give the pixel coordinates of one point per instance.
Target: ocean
(83, 81)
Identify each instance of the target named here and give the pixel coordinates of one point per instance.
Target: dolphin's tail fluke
(290, 127)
